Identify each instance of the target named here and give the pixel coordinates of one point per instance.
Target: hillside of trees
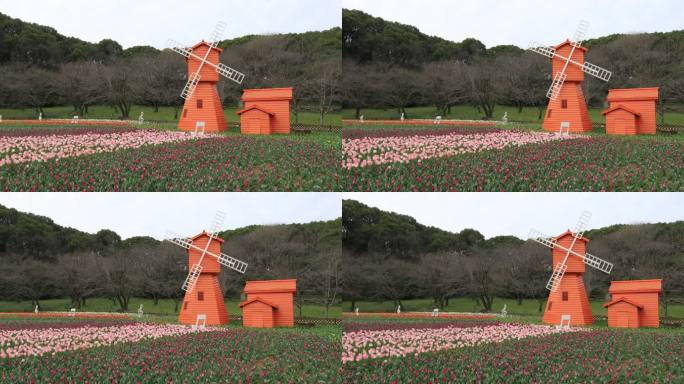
(40, 259)
(40, 68)
(387, 256)
(395, 66)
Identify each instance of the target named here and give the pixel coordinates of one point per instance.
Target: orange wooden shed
(204, 105)
(571, 296)
(634, 304)
(266, 111)
(632, 111)
(570, 105)
(270, 303)
(206, 297)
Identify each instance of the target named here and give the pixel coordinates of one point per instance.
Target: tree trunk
(353, 305)
(520, 299)
(358, 112)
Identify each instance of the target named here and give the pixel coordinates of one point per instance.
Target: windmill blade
(190, 85)
(541, 238)
(216, 224)
(597, 263)
(191, 279)
(580, 33)
(178, 240)
(230, 73)
(217, 34)
(178, 47)
(596, 71)
(232, 263)
(556, 85)
(556, 276)
(541, 49)
(581, 225)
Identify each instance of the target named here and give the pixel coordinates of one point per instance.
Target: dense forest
(40, 68)
(40, 260)
(393, 65)
(388, 256)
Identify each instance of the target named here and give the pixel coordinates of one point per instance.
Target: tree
(324, 85)
(123, 275)
(79, 85)
(78, 276)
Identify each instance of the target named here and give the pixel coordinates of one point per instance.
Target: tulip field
(491, 352)
(490, 159)
(124, 159)
(97, 350)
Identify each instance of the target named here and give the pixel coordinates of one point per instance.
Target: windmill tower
(568, 298)
(203, 297)
(203, 106)
(567, 109)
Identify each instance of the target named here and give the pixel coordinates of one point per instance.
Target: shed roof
(568, 42)
(631, 94)
(636, 286)
(271, 94)
(270, 286)
(207, 234)
(201, 43)
(623, 299)
(259, 299)
(570, 233)
(258, 108)
(622, 107)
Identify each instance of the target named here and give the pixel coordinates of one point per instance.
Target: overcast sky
(498, 22)
(515, 214)
(152, 214)
(152, 22)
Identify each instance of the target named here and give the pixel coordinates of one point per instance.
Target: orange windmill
(567, 109)
(568, 302)
(203, 110)
(203, 302)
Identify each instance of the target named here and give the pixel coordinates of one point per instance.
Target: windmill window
(200, 103)
(548, 114)
(200, 296)
(185, 113)
(550, 306)
(185, 305)
(564, 104)
(565, 296)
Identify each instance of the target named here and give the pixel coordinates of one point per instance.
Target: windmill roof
(636, 286)
(267, 94)
(623, 299)
(204, 43)
(628, 94)
(568, 42)
(257, 107)
(259, 299)
(569, 233)
(207, 234)
(622, 107)
(270, 286)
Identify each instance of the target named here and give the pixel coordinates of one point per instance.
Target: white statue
(435, 312)
(361, 118)
(438, 120)
(36, 310)
(140, 311)
(505, 118)
(40, 116)
(141, 119)
(503, 311)
(74, 120)
(0, 118)
(399, 308)
(356, 311)
(73, 312)
(402, 116)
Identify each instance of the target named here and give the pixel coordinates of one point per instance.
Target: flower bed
(80, 315)
(61, 130)
(15, 150)
(359, 133)
(423, 122)
(396, 149)
(35, 342)
(368, 344)
(91, 122)
(420, 315)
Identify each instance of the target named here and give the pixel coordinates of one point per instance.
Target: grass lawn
(467, 112)
(165, 307)
(164, 114)
(528, 307)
